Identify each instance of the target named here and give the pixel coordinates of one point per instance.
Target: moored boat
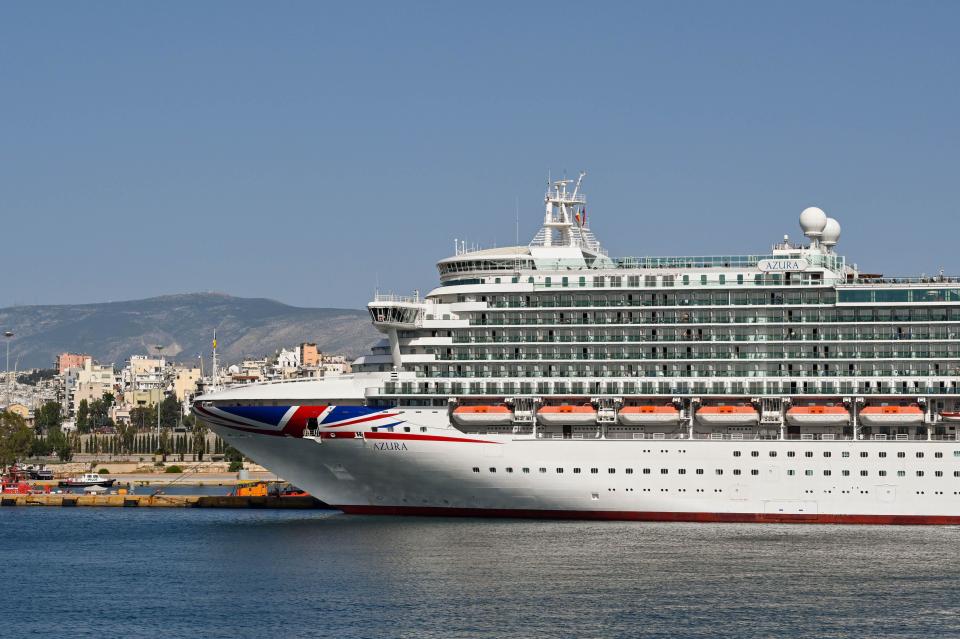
(86, 479)
(818, 415)
(648, 415)
(950, 416)
(727, 415)
(891, 415)
(496, 415)
(567, 415)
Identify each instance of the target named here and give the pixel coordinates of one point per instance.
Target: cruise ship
(554, 381)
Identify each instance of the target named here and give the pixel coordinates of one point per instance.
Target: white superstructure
(552, 380)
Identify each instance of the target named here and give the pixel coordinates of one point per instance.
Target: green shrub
(235, 467)
(174, 469)
(104, 471)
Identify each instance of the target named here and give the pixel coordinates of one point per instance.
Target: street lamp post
(159, 348)
(9, 336)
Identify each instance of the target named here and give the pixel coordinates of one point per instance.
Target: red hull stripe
(424, 438)
(628, 515)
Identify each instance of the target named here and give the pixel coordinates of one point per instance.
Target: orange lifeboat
(649, 415)
(566, 414)
(498, 415)
(726, 415)
(818, 416)
(891, 415)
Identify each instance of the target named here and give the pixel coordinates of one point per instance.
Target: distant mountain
(183, 324)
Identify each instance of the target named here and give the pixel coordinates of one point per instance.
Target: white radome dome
(812, 221)
(831, 233)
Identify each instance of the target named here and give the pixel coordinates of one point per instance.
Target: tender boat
(818, 416)
(667, 415)
(498, 415)
(566, 414)
(950, 416)
(891, 415)
(87, 479)
(727, 415)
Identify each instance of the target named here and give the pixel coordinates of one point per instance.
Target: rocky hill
(183, 324)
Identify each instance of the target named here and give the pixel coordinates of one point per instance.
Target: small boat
(649, 415)
(818, 416)
(567, 415)
(86, 479)
(498, 415)
(726, 415)
(952, 416)
(891, 415)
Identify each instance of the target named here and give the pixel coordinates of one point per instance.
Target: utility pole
(9, 336)
(159, 348)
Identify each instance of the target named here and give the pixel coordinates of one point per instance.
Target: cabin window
(791, 453)
(493, 470)
(938, 473)
(826, 453)
(919, 473)
(863, 473)
(593, 471)
(809, 453)
(681, 471)
(773, 453)
(736, 471)
(526, 470)
(882, 473)
(791, 472)
(663, 471)
(508, 469)
(882, 453)
(576, 471)
(736, 453)
(754, 472)
(845, 453)
(938, 455)
(901, 454)
(845, 473)
(863, 453)
(628, 471)
(611, 470)
(919, 455)
(699, 471)
(719, 471)
(559, 471)
(542, 469)
(901, 473)
(808, 473)
(754, 453)
(827, 473)
(476, 469)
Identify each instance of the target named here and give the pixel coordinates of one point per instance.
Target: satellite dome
(812, 221)
(831, 233)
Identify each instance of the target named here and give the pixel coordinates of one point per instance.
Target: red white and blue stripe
(291, 421)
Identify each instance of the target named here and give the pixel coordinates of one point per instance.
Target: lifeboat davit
(818, 416)
(728, 416)
(649, 415)
(482, 415)
(950, 416)
(891, 415)
(573, 415)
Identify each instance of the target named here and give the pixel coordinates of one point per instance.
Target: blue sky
(308, 151)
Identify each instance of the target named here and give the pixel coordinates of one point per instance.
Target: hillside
(184, 324)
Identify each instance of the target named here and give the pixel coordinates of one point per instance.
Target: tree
(59, 443)
(170, 412)
(199, 443)
(16, 438)
(48, 417)
(83, 416)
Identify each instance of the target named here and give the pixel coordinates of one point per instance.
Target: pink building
(71, 360)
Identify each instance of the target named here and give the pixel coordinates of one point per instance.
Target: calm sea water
(247, 573)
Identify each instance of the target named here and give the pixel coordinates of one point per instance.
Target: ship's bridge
(394, 311)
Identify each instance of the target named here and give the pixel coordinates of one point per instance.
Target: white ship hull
(437, 470)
